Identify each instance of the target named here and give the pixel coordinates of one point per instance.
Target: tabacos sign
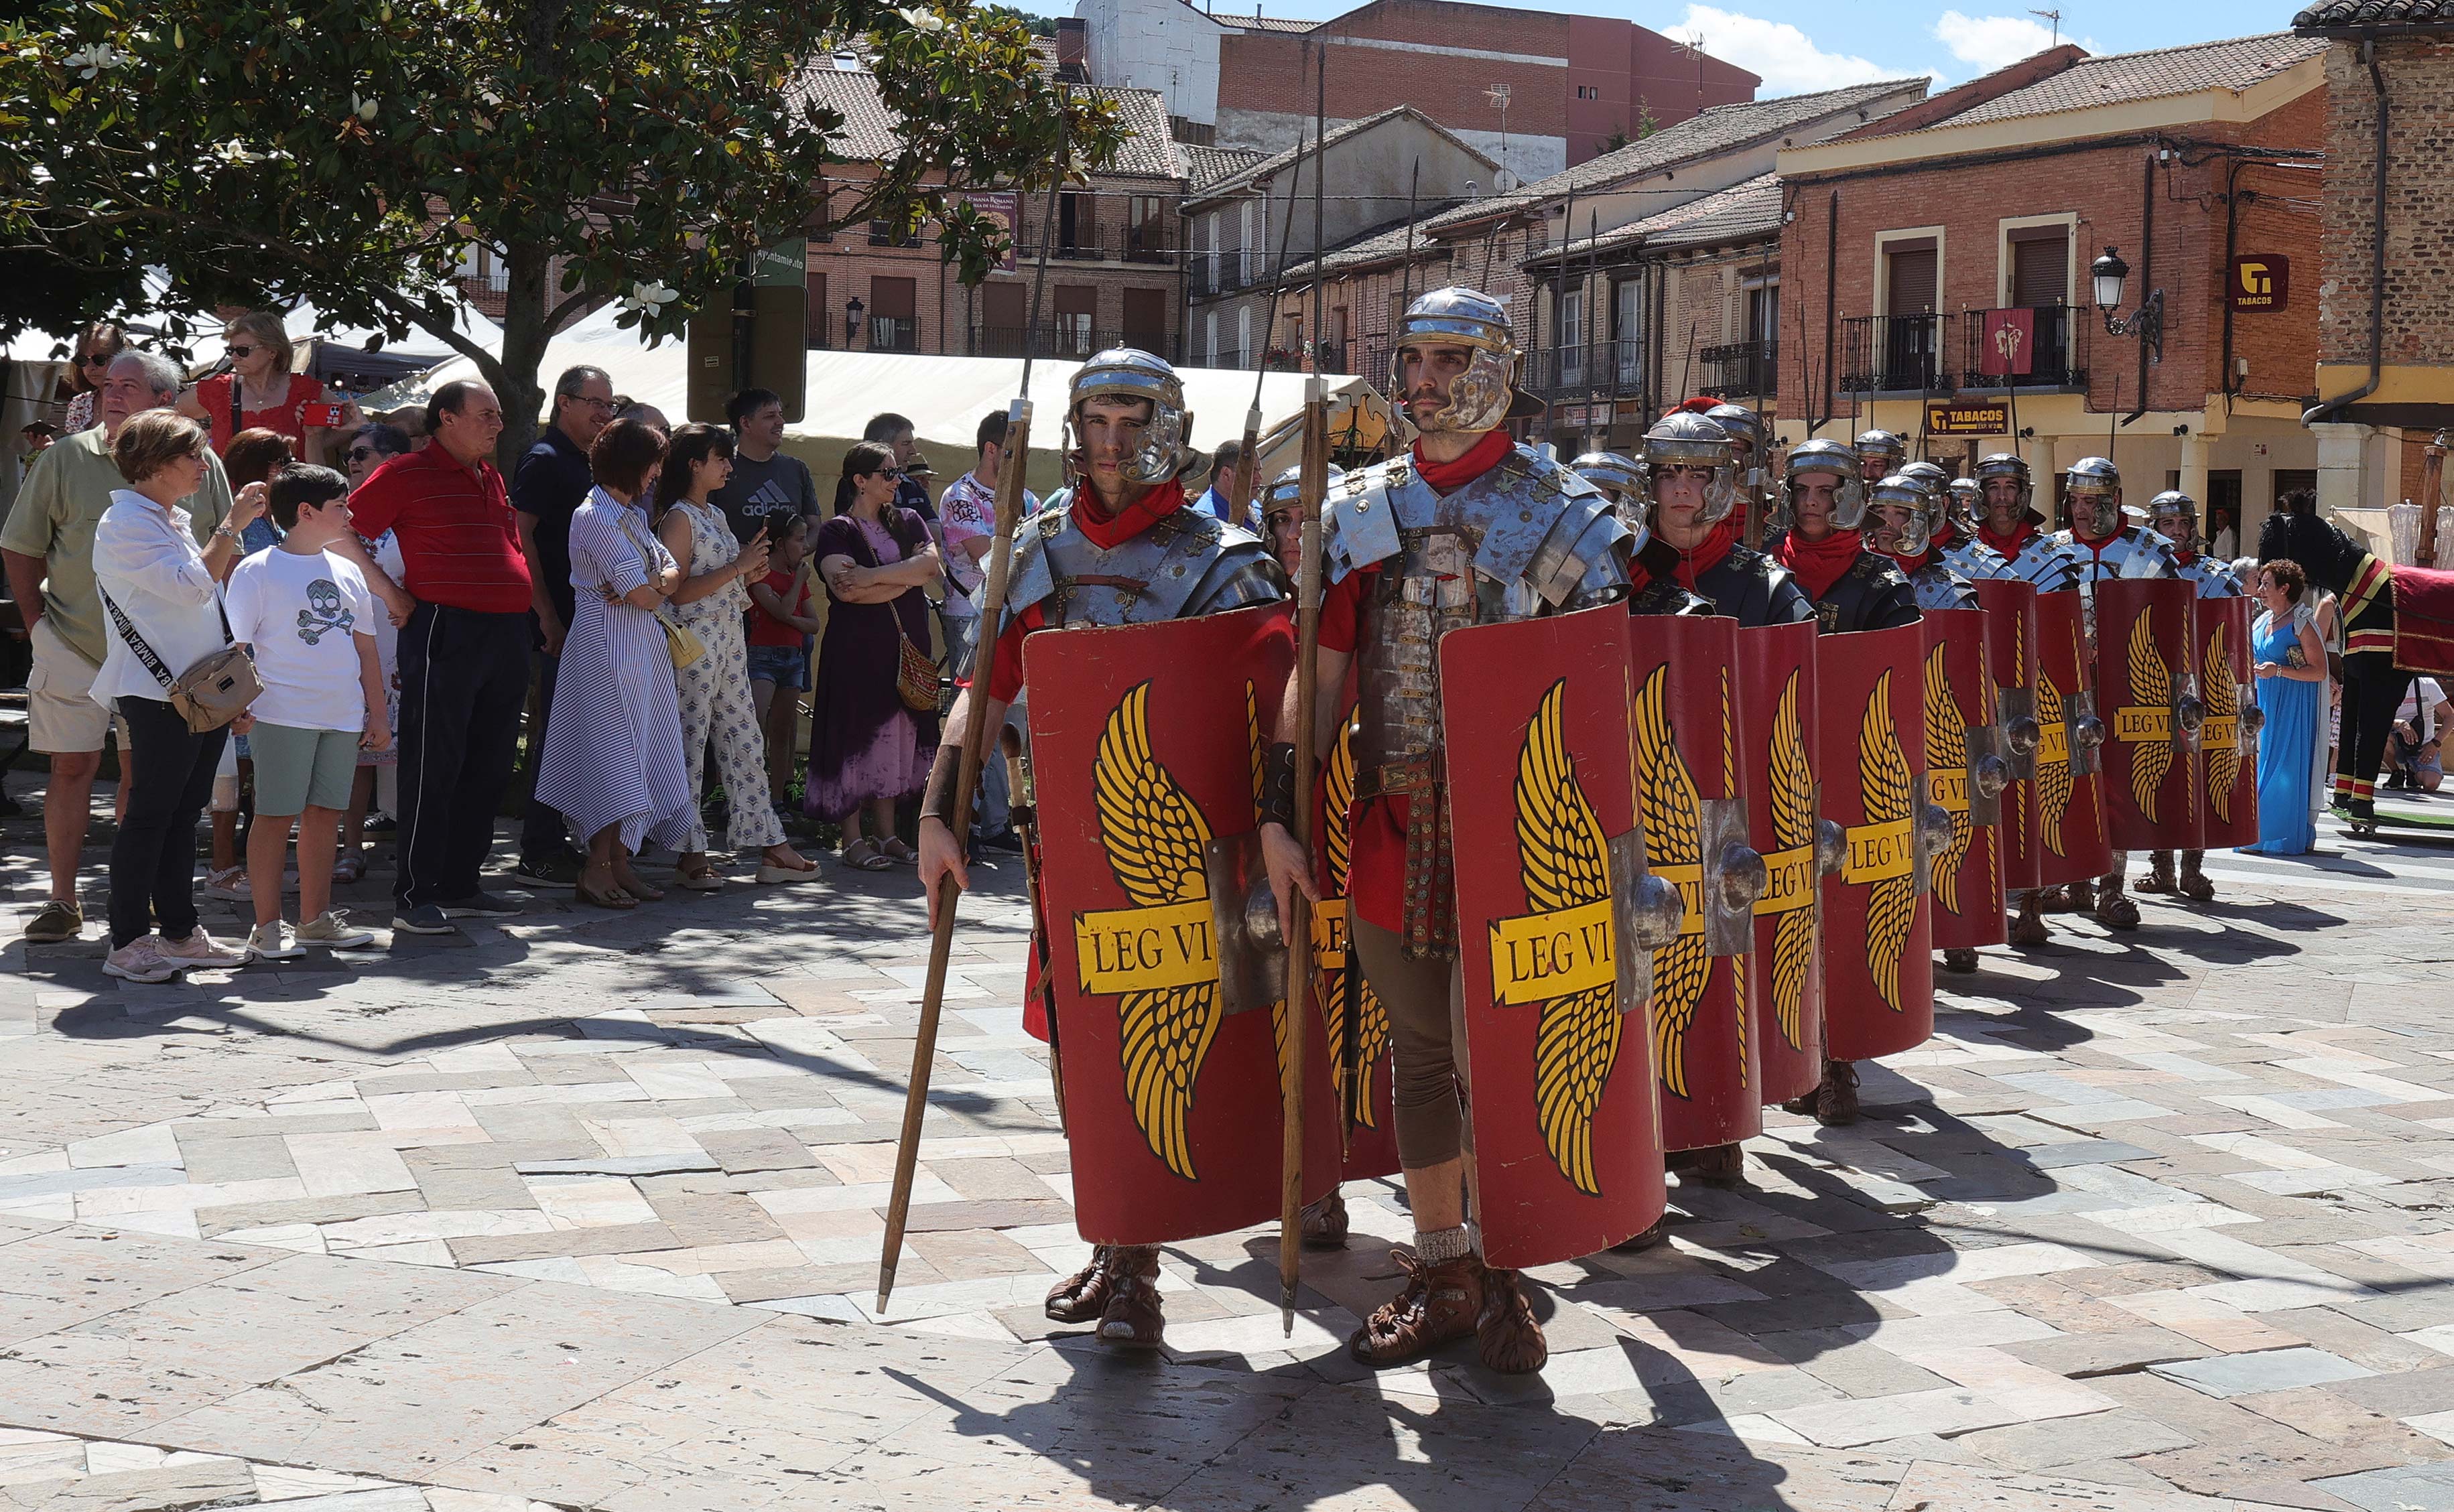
(2261, 280)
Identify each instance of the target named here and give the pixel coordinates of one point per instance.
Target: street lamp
(2146, 323)
(852, 307)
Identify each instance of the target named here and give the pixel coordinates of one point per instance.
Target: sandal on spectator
(865, 855)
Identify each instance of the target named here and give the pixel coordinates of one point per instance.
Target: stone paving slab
(611, 1244)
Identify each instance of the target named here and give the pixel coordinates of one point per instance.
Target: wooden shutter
(894, 298)
(2040, 268)
(1146, 319)
(1912, 269)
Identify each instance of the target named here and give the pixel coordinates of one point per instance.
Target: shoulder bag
(208, 695)
(681, 643)
(918, 680)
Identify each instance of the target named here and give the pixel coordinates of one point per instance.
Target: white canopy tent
(945, 397)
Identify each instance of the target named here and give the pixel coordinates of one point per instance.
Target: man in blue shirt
(1223, 473)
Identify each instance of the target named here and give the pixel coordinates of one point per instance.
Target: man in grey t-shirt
(765, 483)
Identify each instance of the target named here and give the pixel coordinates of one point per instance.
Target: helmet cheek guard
(1477, 398)
(1686, 439)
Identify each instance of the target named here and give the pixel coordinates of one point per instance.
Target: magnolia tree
(357, 151)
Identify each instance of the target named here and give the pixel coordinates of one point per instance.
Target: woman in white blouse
(159, 588)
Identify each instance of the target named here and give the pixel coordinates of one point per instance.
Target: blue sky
(1799, 45)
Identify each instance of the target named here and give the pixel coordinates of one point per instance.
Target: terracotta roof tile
(870, 133)
(2336, 14)
(2122, 77)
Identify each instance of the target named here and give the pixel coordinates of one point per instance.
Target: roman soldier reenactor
(1881, 453)
(1955, 534)
(1691, 471)
(1653, 563)
(2013, 529)
(1117, 546)
(1851, 588)
(1904, 531)
(2175, 516)
(2102, 545)
(1466, 529)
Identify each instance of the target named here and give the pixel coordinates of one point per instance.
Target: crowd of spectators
(636, 599)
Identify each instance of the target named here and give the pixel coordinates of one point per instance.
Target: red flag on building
(2010, 344)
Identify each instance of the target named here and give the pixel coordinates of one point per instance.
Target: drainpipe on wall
(2147, 273)
(2326, 411)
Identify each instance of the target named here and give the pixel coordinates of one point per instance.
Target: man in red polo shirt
(464, 651)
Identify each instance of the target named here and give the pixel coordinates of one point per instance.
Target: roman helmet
(1850, 503)
(1123, 372)
(2174, 504)
(1477, 398)
(1967, 501)
(1684, 438)
(2013, 466)
(2098, 480)
(1285, 491)
(1621, 478)
(1902, 491)
(1929, 476)
(1880, 455)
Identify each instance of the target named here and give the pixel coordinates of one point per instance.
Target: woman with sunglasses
(96, 344)
(260, 392)
(865, 749)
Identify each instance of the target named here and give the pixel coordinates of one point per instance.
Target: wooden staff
(1247, 479)
(2432, 474)
(1300, 978)
(1016, 461)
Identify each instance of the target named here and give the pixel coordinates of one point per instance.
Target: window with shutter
(2040, 268)
(1910, 278)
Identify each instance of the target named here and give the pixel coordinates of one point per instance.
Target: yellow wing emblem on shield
(1946, 757)
(1793, 825)
(2224, 701)
(1565, 862)
(1154, 838)
(1883, 777)
(1672, 838)
(2053, 777)
(1371, 1032)
(2151, 686)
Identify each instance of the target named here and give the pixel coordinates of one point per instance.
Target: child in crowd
(781, 621)
(307, 618)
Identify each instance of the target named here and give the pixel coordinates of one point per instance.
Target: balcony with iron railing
(2032, 348)
(1598, 368)
(1895, 354)
(1740, 369)
(1066, 338)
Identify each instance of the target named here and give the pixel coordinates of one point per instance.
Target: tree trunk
(524, 337)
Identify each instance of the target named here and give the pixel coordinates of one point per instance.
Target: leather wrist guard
(1278, 784)
(937, 798)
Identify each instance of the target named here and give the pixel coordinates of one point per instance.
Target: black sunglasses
(95, 359)
(238, 351)
(361, 453)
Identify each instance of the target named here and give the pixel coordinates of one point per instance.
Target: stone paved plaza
(583, 1211)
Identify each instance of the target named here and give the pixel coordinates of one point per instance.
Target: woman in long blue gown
(2291, 666)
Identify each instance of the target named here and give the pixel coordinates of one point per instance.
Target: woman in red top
(260, 392)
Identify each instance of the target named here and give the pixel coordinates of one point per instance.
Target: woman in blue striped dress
(613, 759)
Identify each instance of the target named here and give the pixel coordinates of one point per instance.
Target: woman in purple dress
(865, 753)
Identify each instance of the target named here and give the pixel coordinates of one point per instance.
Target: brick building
(1685, 302)
(1486, 242)
(1536, 91)
(1115, 272)
(1237, 229)
(2378, 409)
(1944, 255)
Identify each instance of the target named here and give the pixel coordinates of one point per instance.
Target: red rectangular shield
(1567, 1135)
(1960, 732)
(2226, 744)
(2011, 659)
(2148, 671)
(1146, 746)
(1878, 959)
(1684, 717)
(1353, 1008)
(1777, 714)
(2070, 797)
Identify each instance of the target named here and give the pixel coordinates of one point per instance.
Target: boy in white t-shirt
(307, 617)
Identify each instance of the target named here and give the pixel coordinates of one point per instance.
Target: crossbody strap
(136, 642)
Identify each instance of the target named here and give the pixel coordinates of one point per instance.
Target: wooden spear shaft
(1300, 979)
(967, 781)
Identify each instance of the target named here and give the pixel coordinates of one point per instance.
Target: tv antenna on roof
(1498, 95)
(2053, 16)
(1692, 43)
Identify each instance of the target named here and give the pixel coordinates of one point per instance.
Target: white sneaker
(334, 931)
(228, 885)
(274, 942)
(201, 949)
(140, 960)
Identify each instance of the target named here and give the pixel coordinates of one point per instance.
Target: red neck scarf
(2185, 558)
(1448, 477)
(1708, 555)
(1818, 565)
(2014, 544)
(1911, 564)
(1107, 532)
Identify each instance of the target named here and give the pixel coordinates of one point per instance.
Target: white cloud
(1992, 42)
(1785, 58)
